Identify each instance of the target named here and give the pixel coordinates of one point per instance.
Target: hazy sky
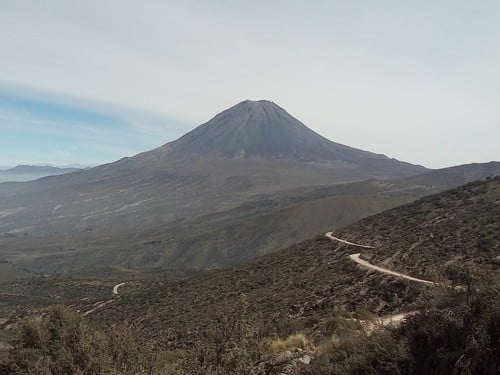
(92, 81)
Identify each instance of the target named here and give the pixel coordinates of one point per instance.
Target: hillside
(461, 226)
(10, 272)
(321, 303)
(226, 235)
(301, 287)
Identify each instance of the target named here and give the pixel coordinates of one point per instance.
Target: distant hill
(454, 176)
(23, 173)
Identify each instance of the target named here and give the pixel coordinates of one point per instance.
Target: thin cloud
(90, 132)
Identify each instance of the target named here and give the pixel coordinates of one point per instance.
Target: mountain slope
(300, 288)
(459, 226)
(227, 234)
(312, 287)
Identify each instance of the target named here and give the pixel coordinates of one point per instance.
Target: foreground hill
(301, 287)
(313, 295)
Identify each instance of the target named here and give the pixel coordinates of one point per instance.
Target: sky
(92, 81)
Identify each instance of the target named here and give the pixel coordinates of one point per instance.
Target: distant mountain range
(23, 173)
(247, 182)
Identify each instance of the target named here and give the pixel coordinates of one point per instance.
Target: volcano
(263, 130)
(108, 214)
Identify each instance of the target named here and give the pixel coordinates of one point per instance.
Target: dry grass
(295, 341)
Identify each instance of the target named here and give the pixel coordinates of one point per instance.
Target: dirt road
(364, 263)
(115, 288)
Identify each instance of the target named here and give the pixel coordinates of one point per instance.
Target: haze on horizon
(91, 82)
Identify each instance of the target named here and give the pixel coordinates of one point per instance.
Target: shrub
(232, 345)
(62, 342)
(363, 314)
(338, 324)
(357, 354)
(295, 341)
(460, 334)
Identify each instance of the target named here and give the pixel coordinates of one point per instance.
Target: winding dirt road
(102, 304)
(115, 288)
(364, 263)
(389, 320)
(332, 237)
